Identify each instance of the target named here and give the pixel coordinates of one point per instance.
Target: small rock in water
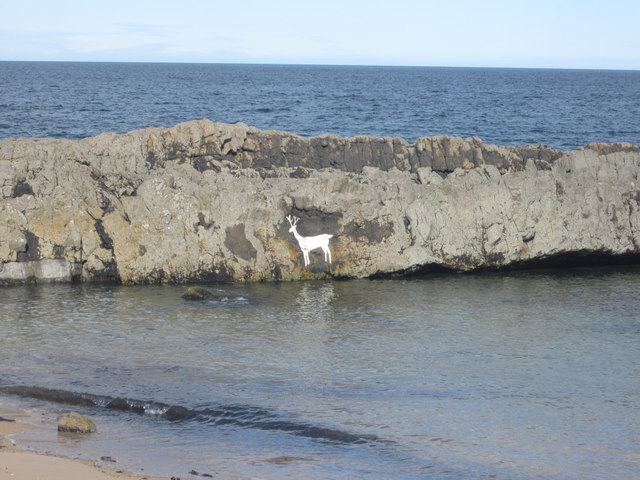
(74, 422)
(194, 473)
(175, 413)
(198, 293)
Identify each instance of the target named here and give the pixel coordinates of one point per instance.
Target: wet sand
(18, 464)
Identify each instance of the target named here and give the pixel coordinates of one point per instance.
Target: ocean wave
(241, 416)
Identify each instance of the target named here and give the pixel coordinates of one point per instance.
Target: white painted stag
(310, 243)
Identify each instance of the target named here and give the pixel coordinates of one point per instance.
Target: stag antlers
(292, 220)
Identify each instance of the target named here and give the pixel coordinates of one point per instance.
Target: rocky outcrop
(206, 201)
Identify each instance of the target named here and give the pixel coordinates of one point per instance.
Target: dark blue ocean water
(561, 108)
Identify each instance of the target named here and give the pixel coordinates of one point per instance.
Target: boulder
(199, 293)
(74, 422)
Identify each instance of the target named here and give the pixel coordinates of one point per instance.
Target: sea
(531, 374)
(564, 109)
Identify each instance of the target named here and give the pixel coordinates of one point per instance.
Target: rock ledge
(206, 202)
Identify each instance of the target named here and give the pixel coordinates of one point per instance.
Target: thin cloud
(145, 29)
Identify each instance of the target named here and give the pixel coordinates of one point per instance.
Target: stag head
(292, 221)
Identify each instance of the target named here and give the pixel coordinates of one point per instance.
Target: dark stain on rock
(106, 204)
(632, 196)
(495, 259)
(110, 270)
(58, 251)
(371, 230)
(300, 173)
(32, 249)
(22, 188)
(313, 221)
(202, 221)
(276, 272)
(153, 160)
(409, 230)
(105, 239)
(237, 242)
(317, 265)
(202, 163)
(607, 148)
(220, 273)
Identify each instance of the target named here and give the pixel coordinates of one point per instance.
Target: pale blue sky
(490, 33)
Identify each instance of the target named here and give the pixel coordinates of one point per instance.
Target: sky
(489, 33)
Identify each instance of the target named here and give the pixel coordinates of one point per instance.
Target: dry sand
(17, 464)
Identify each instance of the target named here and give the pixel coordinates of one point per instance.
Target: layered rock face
(207, 201)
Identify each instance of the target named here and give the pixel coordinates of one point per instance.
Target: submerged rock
(49, 395)
(74, 422)
(199, 293)
(123, 404)
(176, 412)
(207, 202)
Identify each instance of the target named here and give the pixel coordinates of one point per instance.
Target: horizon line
(284, 64)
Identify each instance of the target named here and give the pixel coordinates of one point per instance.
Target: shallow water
(514, 375)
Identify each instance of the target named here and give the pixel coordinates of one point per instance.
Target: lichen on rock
(75, 423)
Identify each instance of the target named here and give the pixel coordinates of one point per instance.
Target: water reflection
(315, 302)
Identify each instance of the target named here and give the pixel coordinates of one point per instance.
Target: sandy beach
(18, 464)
